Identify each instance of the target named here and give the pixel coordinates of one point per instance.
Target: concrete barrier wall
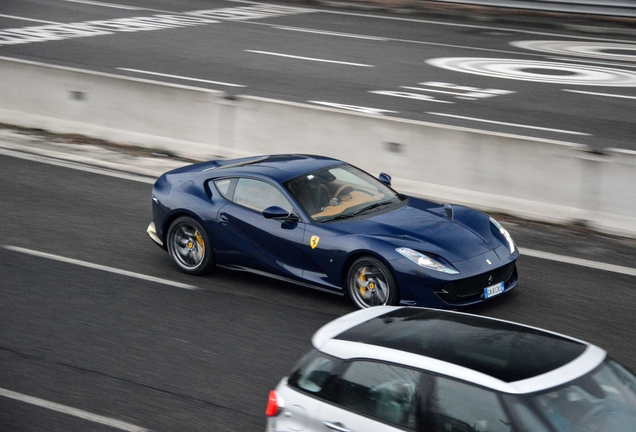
(110, 107)
(533, 178)
(538, 179)
(616, 210)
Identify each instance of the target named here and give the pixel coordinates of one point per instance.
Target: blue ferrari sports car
(322, 223)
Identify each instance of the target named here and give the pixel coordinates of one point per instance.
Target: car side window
(223, 186)
(461, 407)
(258, 195)
(314, 372)
(381, 391)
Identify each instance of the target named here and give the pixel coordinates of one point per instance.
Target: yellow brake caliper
(361, 281)
(199, 240)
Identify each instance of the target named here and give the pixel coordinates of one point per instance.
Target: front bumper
(152, 232)
(438, 290)
(471, 290)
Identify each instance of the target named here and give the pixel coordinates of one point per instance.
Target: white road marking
(408, 95)
(71, 411)
(330, 33)
(28, 19)
(600, 94)
(579, 261)
(308, 58)
(472, 95)
(508, 124)
(253, 12)
(162, 20)
(599, 50)
(451, 86)
(354, 108)
(76, 166)
(434, 91)
(538, 71)
(55, 32)
(110, 5)
(99, 267)
(181, 77)
(588, 61)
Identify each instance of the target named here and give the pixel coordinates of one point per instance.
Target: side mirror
(278, 213)
(385, 178)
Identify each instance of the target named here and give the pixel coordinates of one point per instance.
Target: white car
(414, 369)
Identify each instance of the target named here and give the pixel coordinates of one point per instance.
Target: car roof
(281, 167)
(501, 355)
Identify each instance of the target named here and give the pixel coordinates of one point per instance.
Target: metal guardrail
(617, 8)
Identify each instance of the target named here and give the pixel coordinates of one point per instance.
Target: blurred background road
(99, 326)
(532, 77)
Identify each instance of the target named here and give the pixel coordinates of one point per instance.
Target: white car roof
(497, 354)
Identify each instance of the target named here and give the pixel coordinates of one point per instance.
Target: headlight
(424, 261)
(504, 233)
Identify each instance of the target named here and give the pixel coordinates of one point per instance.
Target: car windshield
(601, 401)
(340, 192)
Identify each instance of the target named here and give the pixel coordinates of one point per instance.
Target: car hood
(427, 228)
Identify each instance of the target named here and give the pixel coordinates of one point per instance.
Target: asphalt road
(98, 346)
(103, 347)
(531, 79)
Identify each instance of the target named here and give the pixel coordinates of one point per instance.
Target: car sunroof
(502, 350)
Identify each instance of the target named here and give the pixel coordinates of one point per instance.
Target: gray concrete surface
(124, 159)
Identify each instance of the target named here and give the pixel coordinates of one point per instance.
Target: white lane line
(308, 58)
(462, 92)
(330, 33)
(600, 94)
(99, 267)
(110, 5)
(578, 261)
(76, 166)
(181, 77)
(433, 91)
(508, 124)
(408, 95)
(72, 411)
(29, 19)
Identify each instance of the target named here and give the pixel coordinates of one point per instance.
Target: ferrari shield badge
(313, 242)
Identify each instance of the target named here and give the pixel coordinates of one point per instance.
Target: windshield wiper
(341, 216)
(371, 207)
(357, 212)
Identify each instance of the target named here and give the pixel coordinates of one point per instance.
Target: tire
(189, 246)
(371, 283)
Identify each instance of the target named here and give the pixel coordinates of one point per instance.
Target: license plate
(494, 290)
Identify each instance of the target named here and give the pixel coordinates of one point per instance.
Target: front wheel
(189, 246)
(371, 283)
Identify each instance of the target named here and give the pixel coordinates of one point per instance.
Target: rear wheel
(371, 283)
(189, 246)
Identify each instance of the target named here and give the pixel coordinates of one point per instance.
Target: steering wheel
(341, 191)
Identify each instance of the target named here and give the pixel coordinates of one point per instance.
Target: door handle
(336, 426)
